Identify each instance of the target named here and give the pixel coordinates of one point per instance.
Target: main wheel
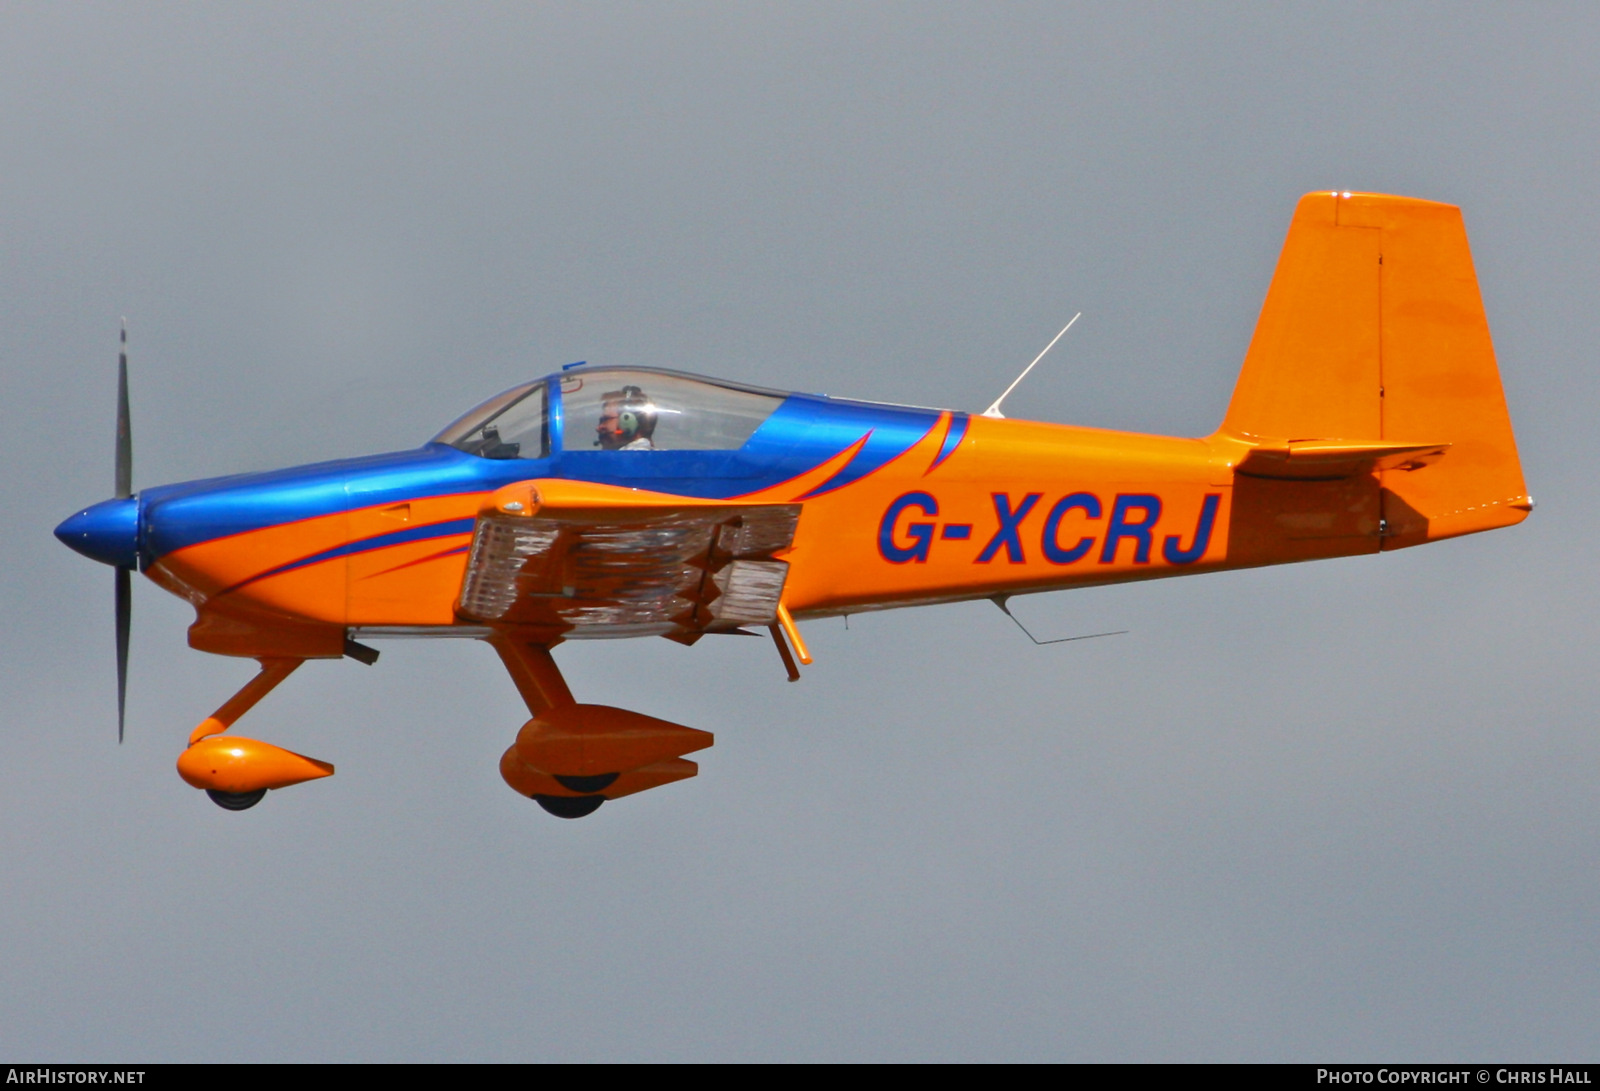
(570, 806)
(236, 801)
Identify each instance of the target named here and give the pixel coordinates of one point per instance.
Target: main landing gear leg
(571, 758)
(237, 772)
(533, 669)
(534, 672)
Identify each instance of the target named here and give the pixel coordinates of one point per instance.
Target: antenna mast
(994, 410)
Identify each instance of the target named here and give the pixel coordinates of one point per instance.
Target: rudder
(1373, 331)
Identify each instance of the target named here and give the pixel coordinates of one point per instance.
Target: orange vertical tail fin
(1373, 334)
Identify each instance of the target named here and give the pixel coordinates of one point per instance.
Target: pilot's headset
(636, 416)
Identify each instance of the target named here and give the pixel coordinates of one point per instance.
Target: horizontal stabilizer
(1315, 459)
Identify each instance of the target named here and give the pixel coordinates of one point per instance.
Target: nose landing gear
(237, 772)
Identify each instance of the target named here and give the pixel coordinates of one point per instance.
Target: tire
(570, 806)
(236, 801)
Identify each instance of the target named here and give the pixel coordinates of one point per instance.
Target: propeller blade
(124, 489)
(124, 625)
(124, 484)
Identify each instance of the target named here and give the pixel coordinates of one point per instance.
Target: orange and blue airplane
(604, 502)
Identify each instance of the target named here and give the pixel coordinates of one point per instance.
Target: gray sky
(1341, 810)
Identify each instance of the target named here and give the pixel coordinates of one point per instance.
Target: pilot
(627, 421)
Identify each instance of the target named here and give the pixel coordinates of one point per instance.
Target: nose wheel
(236, 801)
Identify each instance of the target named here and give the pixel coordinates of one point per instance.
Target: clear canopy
(515, 424)
(614, 409)
(629, 410)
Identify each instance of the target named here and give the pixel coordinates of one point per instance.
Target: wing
(574, 559)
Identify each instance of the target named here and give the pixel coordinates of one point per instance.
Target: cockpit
(612, 409)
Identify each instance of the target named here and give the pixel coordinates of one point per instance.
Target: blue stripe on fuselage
(175, 516)
(804, 432)
(952, 438)
(447, 529)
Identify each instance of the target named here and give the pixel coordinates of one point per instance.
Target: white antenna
(994, 410)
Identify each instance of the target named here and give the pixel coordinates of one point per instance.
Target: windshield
(614, 409)
(510, 425)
